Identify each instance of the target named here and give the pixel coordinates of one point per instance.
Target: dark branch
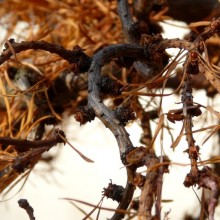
(94, 82)
(24, 145)
(127, 22)
(72, 56)
(23, 203)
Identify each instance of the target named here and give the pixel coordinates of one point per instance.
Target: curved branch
(76, 55)
(94, 81)
(107, 116)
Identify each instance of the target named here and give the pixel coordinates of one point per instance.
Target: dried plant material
(77, 151)
(159, 126)
(70, 57)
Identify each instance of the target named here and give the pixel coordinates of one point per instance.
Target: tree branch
(76, 55)
(23, 203)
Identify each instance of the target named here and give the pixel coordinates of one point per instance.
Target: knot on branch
(193, 152)
(110, 87)
(215, 25)
(139, 180)
(58, 135)
(125, 114)
(157, 56)
(190, 180)
(136, 156)
(125, 153)
(84, 114)
(152, 39)
(114, 192)
(83, 62)
(126, 62)
(6, 45)
(193, 63)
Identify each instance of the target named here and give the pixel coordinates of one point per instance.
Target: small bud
(114, 192)
(125, 114)
(110, 86)
(84, 114)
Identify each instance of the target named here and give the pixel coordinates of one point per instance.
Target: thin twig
(23, 144)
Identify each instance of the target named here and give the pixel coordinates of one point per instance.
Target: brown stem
(187, 100)
(24, 145)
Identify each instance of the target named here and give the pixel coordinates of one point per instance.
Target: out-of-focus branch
(128, 24)
(132, 35)
(76, 55)
(24, 204)
(208, 180)
(197, 10)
